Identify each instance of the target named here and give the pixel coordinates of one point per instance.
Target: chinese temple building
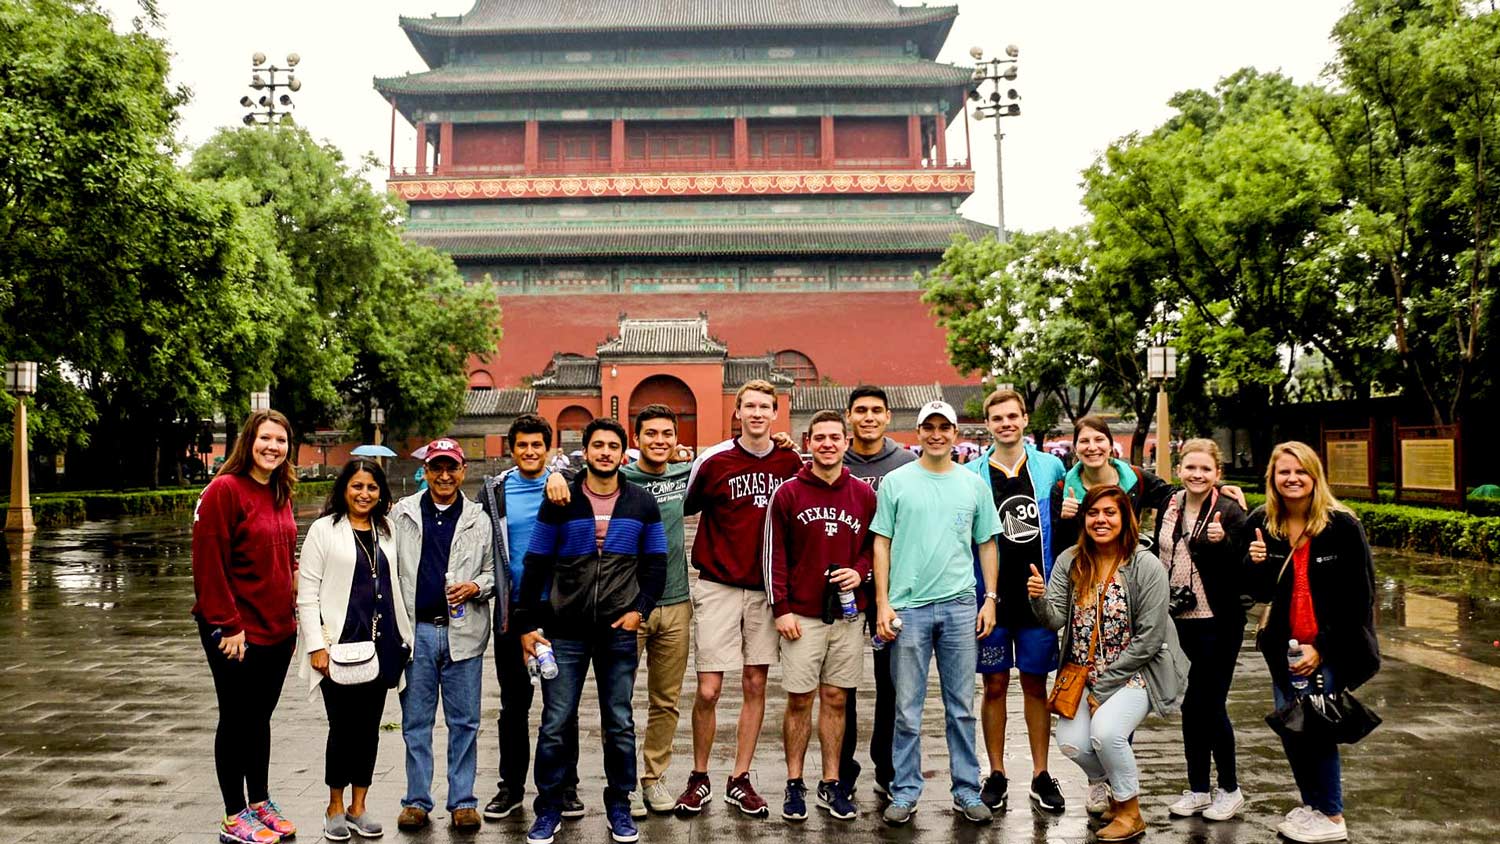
(630, 173)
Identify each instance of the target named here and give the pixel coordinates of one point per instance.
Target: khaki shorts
(732, 627)
(830, 654)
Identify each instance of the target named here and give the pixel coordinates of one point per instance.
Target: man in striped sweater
(817, 549)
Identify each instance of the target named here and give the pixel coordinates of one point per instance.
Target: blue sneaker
(544, 828)
(621, 825)
(833, 797)
(794, 807)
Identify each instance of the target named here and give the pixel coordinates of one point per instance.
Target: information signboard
(1429, 465)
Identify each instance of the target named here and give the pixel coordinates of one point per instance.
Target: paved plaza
(108, 719)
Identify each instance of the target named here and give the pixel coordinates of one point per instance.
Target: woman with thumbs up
(1198, 540)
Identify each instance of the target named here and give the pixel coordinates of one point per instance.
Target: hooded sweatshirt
(872, 469)
(732, 487)
(812, 526)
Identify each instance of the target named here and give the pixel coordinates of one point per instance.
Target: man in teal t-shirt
(663, 639)
(929, 517)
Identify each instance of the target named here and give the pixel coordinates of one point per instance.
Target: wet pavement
(109, 715)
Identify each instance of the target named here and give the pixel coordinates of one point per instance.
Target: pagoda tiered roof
(720, 237)
(505, 18)
(693, 76)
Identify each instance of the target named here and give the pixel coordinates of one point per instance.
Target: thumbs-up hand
(1258, 547)
(1069, 505)
(1036, 587)
(1215, 531)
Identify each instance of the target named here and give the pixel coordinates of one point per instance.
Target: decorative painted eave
(718, 77)
(717, 237)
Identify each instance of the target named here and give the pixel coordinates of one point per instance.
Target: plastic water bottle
(454, 610)
(546, 662)
(879, 643)
(1293, 656)
(846, 601)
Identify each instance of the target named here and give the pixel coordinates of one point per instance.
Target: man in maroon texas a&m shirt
(818, 551)
(731, 485)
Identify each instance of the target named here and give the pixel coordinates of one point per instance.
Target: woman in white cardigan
(348, 594)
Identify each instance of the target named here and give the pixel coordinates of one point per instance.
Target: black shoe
(1045, 792)
(506, 801)
(993, 794)
(572, 807)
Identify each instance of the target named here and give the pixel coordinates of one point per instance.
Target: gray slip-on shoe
(365, 826)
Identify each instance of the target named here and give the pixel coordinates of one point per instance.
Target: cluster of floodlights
(263, 78)
(996, 70)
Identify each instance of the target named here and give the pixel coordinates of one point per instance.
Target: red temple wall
(485, 144)
(881, 337)
(869, 137)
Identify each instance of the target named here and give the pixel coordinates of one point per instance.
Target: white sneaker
(1190, 803)
(659, 798)
(1226, 805)
(637, 805)
(1098, 800)
(1314, 827)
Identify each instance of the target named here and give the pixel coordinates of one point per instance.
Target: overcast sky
(1090, 71)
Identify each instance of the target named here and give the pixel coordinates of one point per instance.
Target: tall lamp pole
(1161, 367)
(264, 111)
(996, 71)
(20, 381)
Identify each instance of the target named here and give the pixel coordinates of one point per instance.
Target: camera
(1182, 599)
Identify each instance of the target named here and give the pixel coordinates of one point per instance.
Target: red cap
(444, 447)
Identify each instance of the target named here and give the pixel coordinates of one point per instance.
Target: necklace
(374, 578)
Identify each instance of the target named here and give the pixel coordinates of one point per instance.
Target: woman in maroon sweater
(244, 568)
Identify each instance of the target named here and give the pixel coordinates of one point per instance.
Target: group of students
(1005, 562)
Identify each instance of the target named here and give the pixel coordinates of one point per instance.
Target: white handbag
(352, 663)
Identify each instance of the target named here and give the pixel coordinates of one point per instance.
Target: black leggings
(248, 691)
(353, 732)
(1213, 646)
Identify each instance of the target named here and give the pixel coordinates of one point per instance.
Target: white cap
(941, 408)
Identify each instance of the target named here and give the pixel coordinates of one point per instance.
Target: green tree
(380, 319)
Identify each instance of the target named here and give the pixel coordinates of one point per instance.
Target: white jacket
(325, 580)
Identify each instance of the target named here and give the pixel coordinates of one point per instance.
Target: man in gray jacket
(447, 576)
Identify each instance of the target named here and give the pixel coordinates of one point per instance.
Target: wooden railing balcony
(590, 167)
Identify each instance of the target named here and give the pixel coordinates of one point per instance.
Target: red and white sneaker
(696, 795)
(739, 792)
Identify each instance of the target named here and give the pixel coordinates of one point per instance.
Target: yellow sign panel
(1349, 463)
(1429, 464)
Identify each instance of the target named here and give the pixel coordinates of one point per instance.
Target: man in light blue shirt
(929, 517)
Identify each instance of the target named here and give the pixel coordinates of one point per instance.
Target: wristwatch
(992, 596)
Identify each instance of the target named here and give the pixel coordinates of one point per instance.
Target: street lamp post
(260, 400)
(20, 381)
(996, 71)
(377, 419)
(1161, 367)
(264, 110)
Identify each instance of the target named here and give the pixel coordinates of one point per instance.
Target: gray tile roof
(902, 398)
(663, 337)
(715, 77)
(569, 372)
(713, 237)
(494, 17)
(737, 371)
(959, 395)
(505, 402)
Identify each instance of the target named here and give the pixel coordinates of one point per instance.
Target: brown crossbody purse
(1072, 679)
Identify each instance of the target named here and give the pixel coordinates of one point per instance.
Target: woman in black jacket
(1309, 559)
(1197, 538)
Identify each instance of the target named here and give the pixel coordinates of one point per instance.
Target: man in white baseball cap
(930, 516)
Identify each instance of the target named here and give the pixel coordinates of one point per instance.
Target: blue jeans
(433, 672)
(614, 656)
(1100, 741)
(946, 629)
(1315, 764)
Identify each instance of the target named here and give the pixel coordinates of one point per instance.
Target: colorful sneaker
(739, 792)
(621, 826)
(794, 807)
(246, 828)
(544, 828)
(698, 790)
(270, 815)
(834, 798)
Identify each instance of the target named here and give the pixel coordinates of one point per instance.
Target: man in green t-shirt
(930, 515)
(664, 637)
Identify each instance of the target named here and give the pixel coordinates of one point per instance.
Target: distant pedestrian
(447, 577)
(1109, 598)
(1310, 560)
(1198, 539)
(348, 595)
(244, 561)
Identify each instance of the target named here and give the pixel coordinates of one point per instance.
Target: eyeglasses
(445, 469)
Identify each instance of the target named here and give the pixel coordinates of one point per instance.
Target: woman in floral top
(1106, 581)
